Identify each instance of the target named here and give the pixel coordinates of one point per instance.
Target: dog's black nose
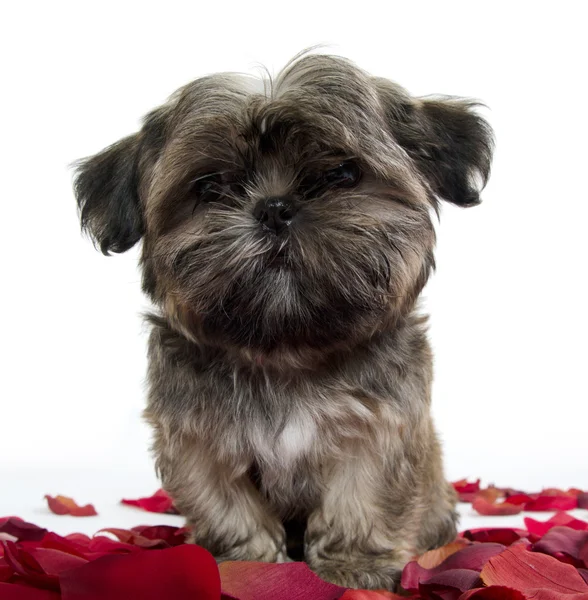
(275, 213)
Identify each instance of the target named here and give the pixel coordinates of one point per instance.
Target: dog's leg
(377, 512)
(224, 511)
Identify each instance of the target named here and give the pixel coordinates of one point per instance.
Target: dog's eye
(347, 174)
(208, 188)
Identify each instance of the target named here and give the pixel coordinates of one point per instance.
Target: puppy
(287, 232)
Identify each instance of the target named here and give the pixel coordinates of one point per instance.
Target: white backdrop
(508, 302)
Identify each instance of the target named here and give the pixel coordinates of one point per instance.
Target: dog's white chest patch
(296, 438)
(283, 448)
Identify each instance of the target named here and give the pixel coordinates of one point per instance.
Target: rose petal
(471, 558)
(582, 500)
(56, 542)
(551, 502)
(498, 535)
(160, 502)
(180, 573)
(20, 529)
(130, 537)
(484, 507)
(540, 528)
(28, 568)
(9, 591)
(370, 595)
(433, 558)
(173, 536)
(455, 580)
(494, 592)
(466, 490)
(264, 581)
(519, 499)
(570, 542)
(522, 570)
(62, 505)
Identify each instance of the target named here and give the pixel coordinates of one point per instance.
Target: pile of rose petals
(506, 501)
(547, 560)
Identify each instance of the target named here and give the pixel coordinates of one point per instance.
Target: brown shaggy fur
(290, 374)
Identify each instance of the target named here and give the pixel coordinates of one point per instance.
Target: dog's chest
(282, 445)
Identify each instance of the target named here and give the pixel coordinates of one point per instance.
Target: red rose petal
(266, 581)
(472, 558)
(62, 505)
(56, 542)
(494, 592)
(455, 580)
(9, 591)
(21, 529)
(28, 568)
(522, 570)
(370, 595)
(551, 502)
(433, 558)
(582, 499)
(498, 535)
(485, 507)
(567, 541)
(540, 528)
(160, 502)
(519, 499)
(187, 572)
(174, 536)
(466, 490)
(130, 537)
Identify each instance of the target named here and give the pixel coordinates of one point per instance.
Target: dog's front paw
(372, 573)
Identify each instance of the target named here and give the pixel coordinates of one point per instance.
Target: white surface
(508, 303)
(23, 495)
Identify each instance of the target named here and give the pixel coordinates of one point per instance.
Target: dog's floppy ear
(450, 142)
(107, 184)
(106, 187)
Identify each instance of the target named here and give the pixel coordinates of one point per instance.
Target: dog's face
(286, 215)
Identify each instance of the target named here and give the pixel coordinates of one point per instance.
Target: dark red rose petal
(563, 540)
(160, 502)
(9, 591)
(21, 529)
(551, 502)
(582, 499)
(28, 568)
(494, 592)
(6, 571)
(472, 558)
(104, 545)
(522, 570)
(498, 535)
(183, 573)
(173, 536)
(62, 505)
(56, 542)
(450, 584)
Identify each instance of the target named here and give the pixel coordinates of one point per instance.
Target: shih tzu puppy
(287, 232)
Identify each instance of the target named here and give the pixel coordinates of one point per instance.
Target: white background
(508, 303)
